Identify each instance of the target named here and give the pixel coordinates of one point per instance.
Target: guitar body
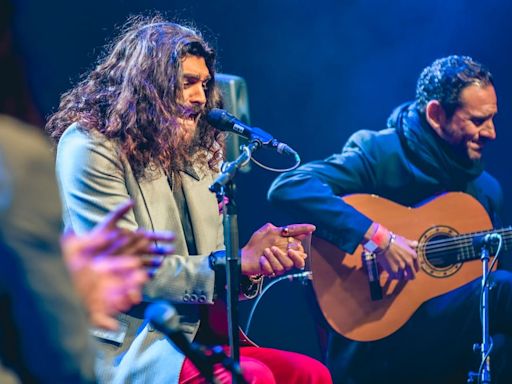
(341, 283)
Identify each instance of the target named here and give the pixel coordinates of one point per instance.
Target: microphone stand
(223, 186)
(483, 376)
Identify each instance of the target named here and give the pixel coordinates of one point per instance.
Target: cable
(301, 276)
(480, 369)
(279, 170)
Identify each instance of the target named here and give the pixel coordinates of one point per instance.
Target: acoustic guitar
(446, 228)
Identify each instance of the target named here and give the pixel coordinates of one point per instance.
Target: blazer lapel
(203, 210)
(162, 209)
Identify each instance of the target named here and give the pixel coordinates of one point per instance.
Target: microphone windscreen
(219, 119)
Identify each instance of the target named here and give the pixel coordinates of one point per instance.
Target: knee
(311, 371)
(318, 372)
(502, 280)
(256, 372)
(501, 289)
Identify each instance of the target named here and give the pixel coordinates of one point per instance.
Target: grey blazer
(94, 178)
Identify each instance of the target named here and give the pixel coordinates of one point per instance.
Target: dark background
(316, 72)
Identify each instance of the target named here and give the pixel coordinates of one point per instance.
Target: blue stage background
(316, 72)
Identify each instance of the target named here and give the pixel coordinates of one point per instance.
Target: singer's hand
(273, 250)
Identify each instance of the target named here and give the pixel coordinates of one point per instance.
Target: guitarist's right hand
(399, 259)
(395, 254)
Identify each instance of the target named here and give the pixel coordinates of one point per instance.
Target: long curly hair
(133, 94)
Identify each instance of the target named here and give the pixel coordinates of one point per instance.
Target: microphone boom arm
(229, 169)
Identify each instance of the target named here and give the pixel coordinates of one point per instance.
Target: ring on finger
(285, 231)
(292, 244)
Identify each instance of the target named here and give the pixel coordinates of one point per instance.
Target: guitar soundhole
(438, 256)
(440, 259)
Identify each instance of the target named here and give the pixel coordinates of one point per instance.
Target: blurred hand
(274, 250)
(109, 265)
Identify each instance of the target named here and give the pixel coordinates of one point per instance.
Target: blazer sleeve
(92, 180)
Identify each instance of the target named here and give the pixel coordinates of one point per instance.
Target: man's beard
(188, 124)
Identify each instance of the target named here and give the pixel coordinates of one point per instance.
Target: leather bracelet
(255, 278)
(392, 238)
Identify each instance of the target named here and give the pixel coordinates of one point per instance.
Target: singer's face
(471, 125)
(193, 82)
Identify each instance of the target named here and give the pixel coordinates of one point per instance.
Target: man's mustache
(191, 111)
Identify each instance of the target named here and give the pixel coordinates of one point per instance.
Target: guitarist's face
(471, 125)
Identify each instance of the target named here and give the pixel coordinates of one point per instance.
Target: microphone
(164, 317)
(486, 240)
(224, 121)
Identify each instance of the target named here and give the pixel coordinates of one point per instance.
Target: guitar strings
(461, 241)
(466, 238)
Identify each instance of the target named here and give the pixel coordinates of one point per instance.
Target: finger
(409, 265)
(152, 261)
(134, 243)
(118, 264)
(409, 273)
(298, 258)
(275, 265)
(298, 230)
(123, 243)
(394, 270)
(143, 242)
(151, 272)
(416, 263)
(135, 296)
(163, 236)
(294, 244)
(68, 233)
(406, 269)
(148, 250)
(114, 216)
(411, 268)
(136, 279)
(97, 242)
(104, 321)
(282, 258)
(265, 266)
(157, 249)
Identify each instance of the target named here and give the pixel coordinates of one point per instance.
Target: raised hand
(109, 265)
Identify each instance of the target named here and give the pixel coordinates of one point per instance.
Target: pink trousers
(266, 366)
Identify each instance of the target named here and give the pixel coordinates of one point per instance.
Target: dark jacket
(406, 163)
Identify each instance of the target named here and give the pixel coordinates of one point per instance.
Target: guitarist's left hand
(400, 260)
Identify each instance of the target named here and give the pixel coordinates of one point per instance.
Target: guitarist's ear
(435, 116)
